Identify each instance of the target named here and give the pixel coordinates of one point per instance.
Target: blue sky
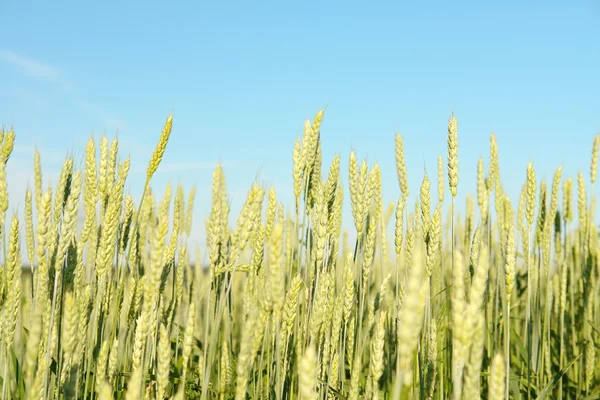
(242, 78)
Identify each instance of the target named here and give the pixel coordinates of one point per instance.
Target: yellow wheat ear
(160, 148)
(8, 145)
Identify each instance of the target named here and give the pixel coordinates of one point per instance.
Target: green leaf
(546, 391)
(19, 374)
(516, 340)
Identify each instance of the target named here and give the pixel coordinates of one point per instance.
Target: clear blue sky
(241, 79)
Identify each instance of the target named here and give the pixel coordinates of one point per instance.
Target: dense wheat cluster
(500, 303)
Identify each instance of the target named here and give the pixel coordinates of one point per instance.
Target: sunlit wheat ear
(441, 180)
(105, 391)
(433, 243)
(245, 352)
(3, 195)
(103, 168)
(13, 281)
(134, 385)
(33, 341)
(160, 148)
(349, 287)
(271, 210)
(84, 306)
(60, 197)
(315, 172)
(334, 228)
(369, 253)
(510, 262)
(276, 278)
(325, 327)
(113, 361)
(473, 367)
(43, 237)
(90, 190)
(336, 330)
(353, 182)
(425, 197)
(568, 200)
(497, 379)
(30, 239)
(401, 166)
(309, 147)
(37, 389)
(542, 214)
(68, 225)
(531, 194)
(8, 145)
(482, 190)
(318, 120)
(319, 308)
(307, 377)
(594, 163)
(372, 186)
(225, 368)
(69, 333)
(376, 188)
(37, 178)
(476, 297)
(399, 226)
(189, 212)
(581, 200)
(381, 295)
(139, 339)
(128, 215)
(590, 362)
(101, 363)
(333, 178)
(376, 362)
(494, 167)
(297, 170)
(320, 225)
(410, 240)
(411, 318)
(453, 154)
(355, 377)
(164, 359)
(189, 337)
(554, 194)
(112, 162)
(289, 312)
(476, 247)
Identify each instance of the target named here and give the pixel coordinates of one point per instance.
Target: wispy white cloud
(51, 158)
(31, 67)
(42, 71)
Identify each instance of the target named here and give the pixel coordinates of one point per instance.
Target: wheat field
(500, 303)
